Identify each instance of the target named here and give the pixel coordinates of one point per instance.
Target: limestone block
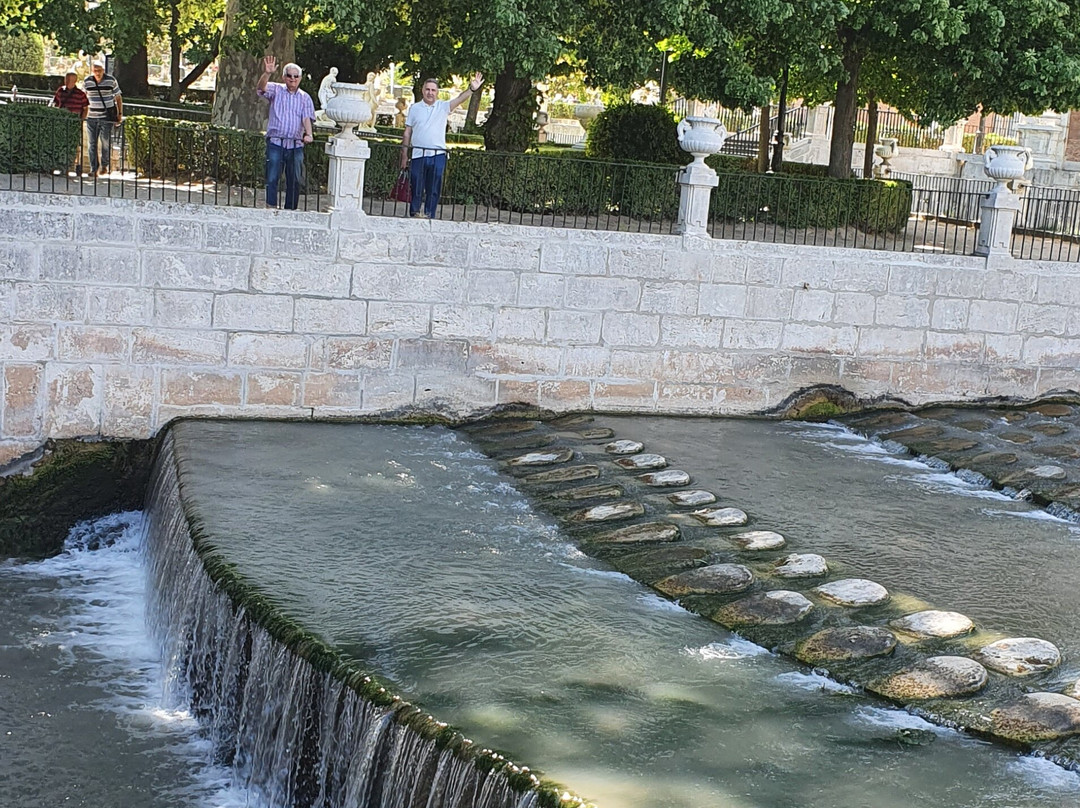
(691, 332)
(12, 450)
(1035, 318)
(306, 242)
(368, 246)
(993, 316)
(234, 238)
(27, 343)
(520, 324)
(400, 319)
(120, 305)
(812, 270)
(764, 270)
(103, 227)
(516, 360)
(690, 365)
(512, 391)
(828, 339)
(320, 316)
(960, 282)
(573, 259)
(1052, 351)
(939, 379)
(686, 398)
(854, 308)
(253, 312)
(636, 365)
(678, 265)
(449, 356)
(388, 391)
(353, 353)
(457, 394)
(902, 311)
(603, 294)
(78, 343)
(23, 404)
(494, 253)
(440, 250)
(630, 329)
(905, 279)
(645, 263)
(859, 276)
(170, 232)
(300, 276)
(542, 290)
(36, 302)
(954, 347)
(577, 327)
(20, 261)
(1054, 379)
(1059, 289)
(722, 300)
(625, 396)
(492, 286)
(178, 346)
(73, 396)
(768, 303)
(563, 395)
(949, 314)
(181, 387)
(1011, 286)
(273, 388)
(452, 321)
(812, 306)
(30, 226)
(1025, 382)
(661, 297)
(179, 269)
(588, 363)
(128, 405)
(1004, 348)
(890, 342)
(804, 371)
(753, 336)
(280, 351)
(332, 390)
(399, 282)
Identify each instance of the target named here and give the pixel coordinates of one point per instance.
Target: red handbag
(401, 191)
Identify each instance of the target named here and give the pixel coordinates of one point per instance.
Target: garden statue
(399, 117)
(326, 92)
(374, 93)
(887, 148)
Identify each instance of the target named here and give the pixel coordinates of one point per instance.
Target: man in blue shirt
(106, 111)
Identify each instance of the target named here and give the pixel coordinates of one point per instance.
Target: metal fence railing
(910, 134)
(1047, 227)
(186, 112)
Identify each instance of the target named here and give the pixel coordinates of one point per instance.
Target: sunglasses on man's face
(292, 75)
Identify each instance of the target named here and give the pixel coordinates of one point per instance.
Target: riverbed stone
(720, 517)
(610, 512)
(845, 643)
(564, 475)
(1052, 410)
(590, 492)
(1050, 430)
(643, 461)
(801, 565)
(524, 441)
(1013, 416)
(715, 579)
(933, 678)
(777, 608)
(1056, 450)
(506, 428)
(624, 447)
(1016, 436)
(692, 498)
(755, 540)
(949, 445)
(648, 531)
(933, 623)
(994, 459)
(853, 592)
(1037, 717)
(1047, 472)
(567, 421)
(668, 478)
(1020, 656)
(974, 424)
(598, 433)
(916, 433)
(549, 458)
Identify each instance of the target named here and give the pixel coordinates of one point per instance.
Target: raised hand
(270, 64)
(477, 80)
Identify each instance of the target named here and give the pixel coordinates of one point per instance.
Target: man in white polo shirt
(425, 133)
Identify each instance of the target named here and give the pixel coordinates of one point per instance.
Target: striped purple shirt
(287, 113)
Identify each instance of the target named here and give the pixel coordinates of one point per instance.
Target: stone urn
(349, 107)
(1007, 163)
(701, 136)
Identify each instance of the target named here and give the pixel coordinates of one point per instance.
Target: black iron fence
(1047, 226)
(744, 141)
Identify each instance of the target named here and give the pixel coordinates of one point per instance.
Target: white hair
(299, 69)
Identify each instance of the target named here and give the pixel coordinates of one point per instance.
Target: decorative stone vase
(701, 136)
(349, 107)
(1007, 163)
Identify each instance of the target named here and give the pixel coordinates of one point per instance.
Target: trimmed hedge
(38, 139)
(635, 132)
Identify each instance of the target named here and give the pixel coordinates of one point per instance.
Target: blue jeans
(292, 160)
(99, 130)
(425, 174)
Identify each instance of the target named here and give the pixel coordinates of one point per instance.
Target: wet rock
(667, 478)
(692, 498)
(777, 608)
(590, 492)
(933, 678)
(720, 517)
(643, 461)
(609, 512)
(598, 433)
(801, 565)
(940, 413)
(1052, 410)
(1037, 717)
(1050, 430)
(506, 428)
(974, 424)
(933, 623)
(655, 563)
(1073, 690)
(624, 447)
(1047, 472)
(846, 643)
(853, 592)
(882, 420)
(1020, 656)
(567, 421)
(523, 442)
(1060, 450)
(759, 540)
(916, 433)
(542, 458)
(947, 445)
(1015, 436)
(649, 531)
(716, 579)
(994, 458)
(564, 475)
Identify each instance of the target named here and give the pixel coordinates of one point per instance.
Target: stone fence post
(348, 156)
(700, 137)
(997, 211)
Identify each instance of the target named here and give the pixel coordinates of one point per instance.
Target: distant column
(348, 156)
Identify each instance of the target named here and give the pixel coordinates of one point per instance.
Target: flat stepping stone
(716, 579)
(939, 677)
(945, 445)
(542, 458)
(1052, 410)
(667, 478)
(1020, 656)
(525, 441)
(598, 433)
(566, 421)
(609, 512)
(1050, 430)
(755, 540)
(777, 608)
(1047, 472)
(624, 447)
(1017, 437)
(933, 623)
(853, 592)
(846, 643)
(564, 475)
(649, 531)
(1060, 450)
(801, 565)
(1037, 717)
(974, 424)
(921, 432)
(692, 498)
(590, 492)
(506, 428)
(721, 517)
(643, 461)
(995, 458)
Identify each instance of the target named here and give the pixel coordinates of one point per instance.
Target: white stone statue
(373, 94)
(326, 92)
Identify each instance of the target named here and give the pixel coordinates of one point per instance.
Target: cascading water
(300, 736)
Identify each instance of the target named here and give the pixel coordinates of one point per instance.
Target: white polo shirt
(428, 127)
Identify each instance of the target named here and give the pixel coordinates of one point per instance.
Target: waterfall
(297, 725)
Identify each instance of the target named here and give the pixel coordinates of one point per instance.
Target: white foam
(1045, 775)
(660, 604)
(1037, 514)
(890, 718)
(734, 648)
(813, 681)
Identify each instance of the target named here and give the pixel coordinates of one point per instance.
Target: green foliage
(989, 139)
(22, 52)
(319, 49)
(560, 109)
(34, 138)
(635, 132)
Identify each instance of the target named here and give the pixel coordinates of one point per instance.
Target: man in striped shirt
(288, 129)
(106, 110)
(70, 97)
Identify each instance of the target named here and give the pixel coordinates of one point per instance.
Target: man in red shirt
(71, 97)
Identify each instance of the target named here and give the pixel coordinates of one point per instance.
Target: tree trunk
(764, 134)
(235, 103)
(980, 133)
(871, 137)
(781, 113)
(473, 110)
(509, 126)
(843, 136)
(175, 51)
(132, 75)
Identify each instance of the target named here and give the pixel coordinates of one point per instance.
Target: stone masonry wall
(118, 315)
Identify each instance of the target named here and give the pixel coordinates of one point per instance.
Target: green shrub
(22, 53)
(35, 138)
(560, 109)
(631, 132)
(989, 139)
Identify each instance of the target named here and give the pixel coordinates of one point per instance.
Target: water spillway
(296, 566)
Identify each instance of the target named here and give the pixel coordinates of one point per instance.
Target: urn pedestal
(700, 137)
(349, 107)
(997, 211)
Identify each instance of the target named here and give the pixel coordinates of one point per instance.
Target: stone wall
(117, 315)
